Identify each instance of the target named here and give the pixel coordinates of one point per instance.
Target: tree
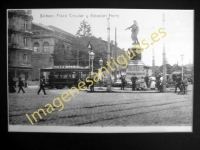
(58, 55)
(84, 29)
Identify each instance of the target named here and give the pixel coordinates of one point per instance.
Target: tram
(59, 77)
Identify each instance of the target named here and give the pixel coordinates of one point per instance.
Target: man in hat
(177, 83)
(122, 78)
(42, 85)
(133, 80)
(146, 78)
(20, 85)
(91, 86)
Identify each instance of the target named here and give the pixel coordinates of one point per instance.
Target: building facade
(45, 40)
(19, 44)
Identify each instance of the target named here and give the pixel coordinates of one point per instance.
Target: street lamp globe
(92, 55)
(92, 58)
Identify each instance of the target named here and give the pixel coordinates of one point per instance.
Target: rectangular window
(25, 58)
(22, 25)
(25, 25)
(25, 41)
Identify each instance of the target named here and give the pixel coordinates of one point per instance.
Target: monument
(135, 66)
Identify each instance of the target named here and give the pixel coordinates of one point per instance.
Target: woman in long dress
(152, 83)
(142, 84)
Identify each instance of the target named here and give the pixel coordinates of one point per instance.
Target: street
(103, 109)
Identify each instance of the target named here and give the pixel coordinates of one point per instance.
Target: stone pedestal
(135, 66)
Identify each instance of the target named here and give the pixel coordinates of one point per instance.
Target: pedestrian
(177, 83)
(122, 78)
(91, 86)
(42, 85)
(12, 86)
(142, 84)
(161, 83)
(152, 83)
(20, 85)
(147, 80)
(185, 84)
(133, 80)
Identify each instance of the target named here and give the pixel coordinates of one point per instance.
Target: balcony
(13, 63)
(22, 30)
(26, 31)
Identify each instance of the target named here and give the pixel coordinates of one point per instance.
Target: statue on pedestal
(135, 30)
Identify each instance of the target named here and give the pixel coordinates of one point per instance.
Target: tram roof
(64, 69)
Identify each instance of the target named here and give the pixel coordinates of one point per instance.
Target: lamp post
(90, 48)
(153, 62)
(164, 61)
(92, 58)
(153, 59)
(100, 63)
(108, 57)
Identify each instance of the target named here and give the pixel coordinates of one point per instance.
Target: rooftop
(60, 30)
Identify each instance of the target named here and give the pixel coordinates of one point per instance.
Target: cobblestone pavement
(102, 109)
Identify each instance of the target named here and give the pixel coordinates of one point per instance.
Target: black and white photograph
(100, 70)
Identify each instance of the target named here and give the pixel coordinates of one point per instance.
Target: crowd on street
(138, 84)
(154, 82)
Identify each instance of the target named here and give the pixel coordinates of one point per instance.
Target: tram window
(73, 75)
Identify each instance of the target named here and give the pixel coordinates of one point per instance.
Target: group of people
(21, 84)
(153, 83)
(137, 84)
(181, 84)
(88, 84)
(12, 85)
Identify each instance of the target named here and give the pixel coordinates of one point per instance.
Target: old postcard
(100, 70)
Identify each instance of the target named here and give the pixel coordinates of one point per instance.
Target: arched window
(46, 46)
(36, 47)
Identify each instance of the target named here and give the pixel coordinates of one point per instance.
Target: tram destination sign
(69, 67)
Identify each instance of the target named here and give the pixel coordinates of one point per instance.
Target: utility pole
(78, 53)
(164, 62)
(115, 55)
(90, 48)
(108, 58)
(153, 59)
(153, 62)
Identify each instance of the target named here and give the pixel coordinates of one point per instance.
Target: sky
(178, 26)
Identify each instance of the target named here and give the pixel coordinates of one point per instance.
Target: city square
(100, 73)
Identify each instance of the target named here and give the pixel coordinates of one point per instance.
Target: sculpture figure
(135, 30)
